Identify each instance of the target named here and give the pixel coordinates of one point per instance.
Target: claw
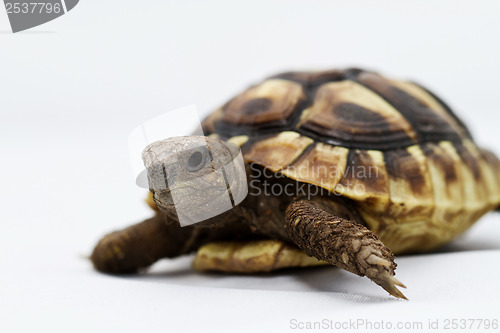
(389, 283)
(376, 260)
(397, 282)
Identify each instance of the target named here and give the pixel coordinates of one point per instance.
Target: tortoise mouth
(189, 205)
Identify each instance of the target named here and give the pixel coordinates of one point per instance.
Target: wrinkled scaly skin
(352, 246)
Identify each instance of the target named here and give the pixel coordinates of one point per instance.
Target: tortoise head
(194, 178)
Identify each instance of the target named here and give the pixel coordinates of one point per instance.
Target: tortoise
(373, 167)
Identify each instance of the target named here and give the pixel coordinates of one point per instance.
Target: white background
(72, 90)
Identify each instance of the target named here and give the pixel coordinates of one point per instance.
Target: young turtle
(367, 167)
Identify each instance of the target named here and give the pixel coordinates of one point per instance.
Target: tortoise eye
(196, 161)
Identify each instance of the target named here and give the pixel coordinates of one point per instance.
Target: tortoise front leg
(342, 243)
(140, 245)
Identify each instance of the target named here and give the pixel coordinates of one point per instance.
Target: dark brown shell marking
(350, 108)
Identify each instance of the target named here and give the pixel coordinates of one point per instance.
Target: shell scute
(347, 114)
(322, 165)
(444, 169)
(276, 152)
(271, 103)
(430, 125)
(410, 186)
(365, 179)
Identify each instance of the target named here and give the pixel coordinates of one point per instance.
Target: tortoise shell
(395, 149)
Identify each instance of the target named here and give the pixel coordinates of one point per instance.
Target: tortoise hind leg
(342, 243)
